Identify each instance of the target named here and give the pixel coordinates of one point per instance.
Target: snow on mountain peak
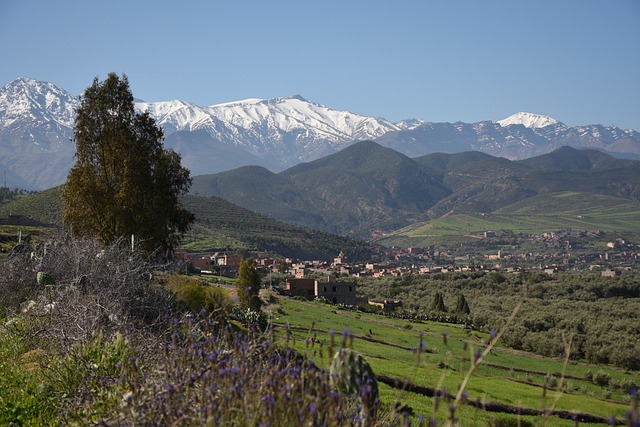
(248, 101)
(27, 97)
(295, 114)
(255, 101)
(528, 120)
(409, 124)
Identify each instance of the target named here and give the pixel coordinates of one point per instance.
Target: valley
(447, 242)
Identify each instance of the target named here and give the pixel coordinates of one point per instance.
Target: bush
(93, 373)
(601, 378)
(95, 288)
(254, 320)
(23, 399)
(551, 381)
(626, 385)
(588, 376)
(215, 378)
(198, 295)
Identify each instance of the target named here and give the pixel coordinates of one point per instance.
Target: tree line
(600, 314)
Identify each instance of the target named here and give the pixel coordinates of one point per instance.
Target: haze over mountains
(36, 121)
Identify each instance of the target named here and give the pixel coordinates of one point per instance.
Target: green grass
(538, 214)
(387, 350)
(23, 400)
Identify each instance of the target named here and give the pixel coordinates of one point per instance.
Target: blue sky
(577, 61)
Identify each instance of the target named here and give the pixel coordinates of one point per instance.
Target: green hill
(363, 187)
(571, 159)
(366, 188)
(45, 206)
(219, 224)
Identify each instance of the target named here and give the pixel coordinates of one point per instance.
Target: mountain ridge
(36, 132)
(367, 189)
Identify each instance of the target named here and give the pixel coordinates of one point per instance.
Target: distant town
(549, 253)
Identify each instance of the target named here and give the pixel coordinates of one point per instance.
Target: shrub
(219, 378)
(551, 381)
(198, 295)
(91, 375)
(96, 288)
(250, 319)
(626, 385)
(601, 378)
(23, 398)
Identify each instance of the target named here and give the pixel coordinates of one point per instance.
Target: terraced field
(505, 383)
(539, 214)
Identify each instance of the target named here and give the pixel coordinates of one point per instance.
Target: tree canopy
(248, 285)
(124, 182)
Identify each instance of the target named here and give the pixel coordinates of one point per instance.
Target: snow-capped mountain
(519, 136)
(36, 131)
(36, 120)
(38, 101)
(528, 120)
(292, 129)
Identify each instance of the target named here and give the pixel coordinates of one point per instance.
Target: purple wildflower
(477, 356)
(312, 407)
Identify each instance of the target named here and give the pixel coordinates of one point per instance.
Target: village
(329, 280)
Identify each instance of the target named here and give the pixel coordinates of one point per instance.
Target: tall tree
(438, 303)
(124, 182)
(462, 307)
(248, 285)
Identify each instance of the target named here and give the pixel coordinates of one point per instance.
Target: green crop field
(505, 376)
(539, 214)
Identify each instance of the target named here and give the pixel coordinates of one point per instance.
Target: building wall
(336, 293)
(301, 288)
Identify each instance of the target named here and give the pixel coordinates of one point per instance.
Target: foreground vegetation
(93, 335)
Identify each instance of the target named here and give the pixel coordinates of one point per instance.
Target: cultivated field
(539, 214)
(512, 378)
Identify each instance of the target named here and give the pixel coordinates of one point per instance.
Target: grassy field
(505, 376)
(539, 214)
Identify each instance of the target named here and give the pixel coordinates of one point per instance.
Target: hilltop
(366, 189)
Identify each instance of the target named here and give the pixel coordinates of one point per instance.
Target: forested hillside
(219, 224)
